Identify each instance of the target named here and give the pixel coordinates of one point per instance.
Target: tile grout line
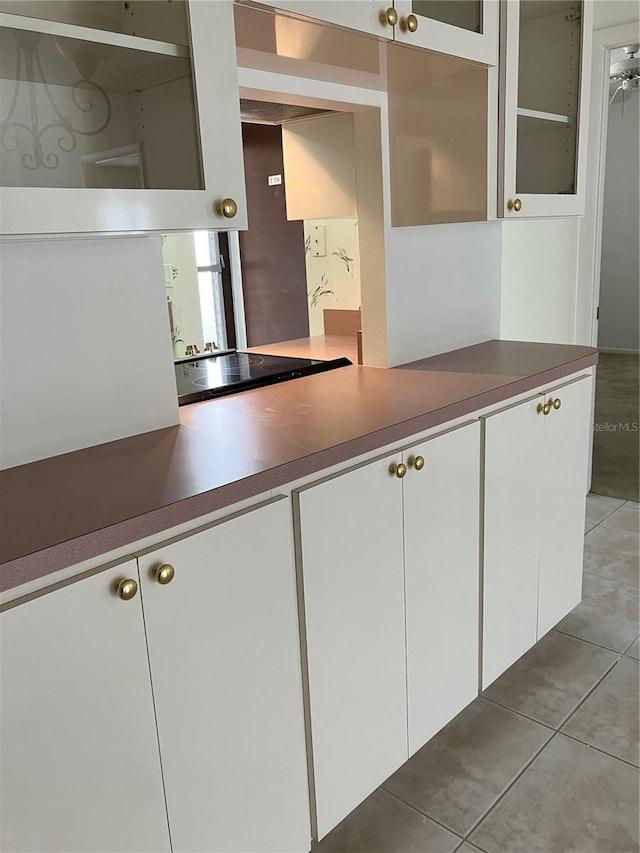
(608, 578)
(509, 787)
(519, 713)
(591, 642)
(599, 749)
(423, 814)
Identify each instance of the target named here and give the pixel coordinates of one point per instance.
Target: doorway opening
(615, 465)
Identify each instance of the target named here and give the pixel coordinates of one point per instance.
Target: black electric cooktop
(217, 375)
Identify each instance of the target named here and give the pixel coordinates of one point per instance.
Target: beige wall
(333, 280)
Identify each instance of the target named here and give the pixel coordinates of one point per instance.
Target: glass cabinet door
(116, 100)
(543, 99)
(464, 28)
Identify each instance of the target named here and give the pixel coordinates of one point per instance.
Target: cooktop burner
(217, 375)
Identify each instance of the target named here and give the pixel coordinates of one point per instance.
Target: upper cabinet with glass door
(119, 117)
(367, 16)
(543, 102)
(464, 28)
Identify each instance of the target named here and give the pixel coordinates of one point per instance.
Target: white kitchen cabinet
(566, 449)
(464, 28)
(80, 768)
(544, 96)
(119, 117)
(384, 558)
(225, 664)
(534, 504)
(441, 550)
(353, 576)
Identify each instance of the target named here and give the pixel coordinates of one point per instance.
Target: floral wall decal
(346, 260)
(321, 290)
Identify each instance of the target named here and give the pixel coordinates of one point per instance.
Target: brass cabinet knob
(125, 588)
(416, 462)
(516, 205)
(227, 208)
(409, 23)
(543, 408)
(399, 470)
(164, 573)
(556, 403)
(388, 17)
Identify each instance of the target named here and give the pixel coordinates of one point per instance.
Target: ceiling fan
(626, 72)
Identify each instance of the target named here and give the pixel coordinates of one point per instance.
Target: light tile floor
(546, 760)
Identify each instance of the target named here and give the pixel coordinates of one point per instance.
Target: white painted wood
(225, 664)
(538, 204)
(82, 322)
(566, 441)
(352, 567)
(445, 281)
(80, 766)
(50, 210)
(441, 528)
(539, 268)
(513, 490)
(362, 15)
(540, 116)
(455, 41)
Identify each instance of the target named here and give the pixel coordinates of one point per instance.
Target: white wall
(612, 13)
(443, 288)
(620, 270)
(539, 263)
(85, 350)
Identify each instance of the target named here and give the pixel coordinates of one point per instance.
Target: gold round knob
(416, 462)
(516, 205)
(399, 470)
(125, 588)
(164, 573)
(388, 17)
(543, 408)
(227, 208)
(409, 23)
(556, 403)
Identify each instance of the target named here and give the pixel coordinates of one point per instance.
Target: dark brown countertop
(59, 511)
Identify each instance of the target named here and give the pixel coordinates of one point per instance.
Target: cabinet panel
(441, 518)
(352, 565)
(438, 138)
(566, 448)
(514, 487)
(80, 767)
(225, 664)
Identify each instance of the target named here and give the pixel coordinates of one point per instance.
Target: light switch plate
(318, 241)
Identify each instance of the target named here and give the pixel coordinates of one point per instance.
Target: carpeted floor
(616, 429)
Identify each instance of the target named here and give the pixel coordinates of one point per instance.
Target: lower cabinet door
(80, 768)
(441, 523)
(351, 542)
(566, 449)
(515, 477)
(224, 651)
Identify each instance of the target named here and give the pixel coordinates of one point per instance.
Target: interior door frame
(590, 246)
(590, 255)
